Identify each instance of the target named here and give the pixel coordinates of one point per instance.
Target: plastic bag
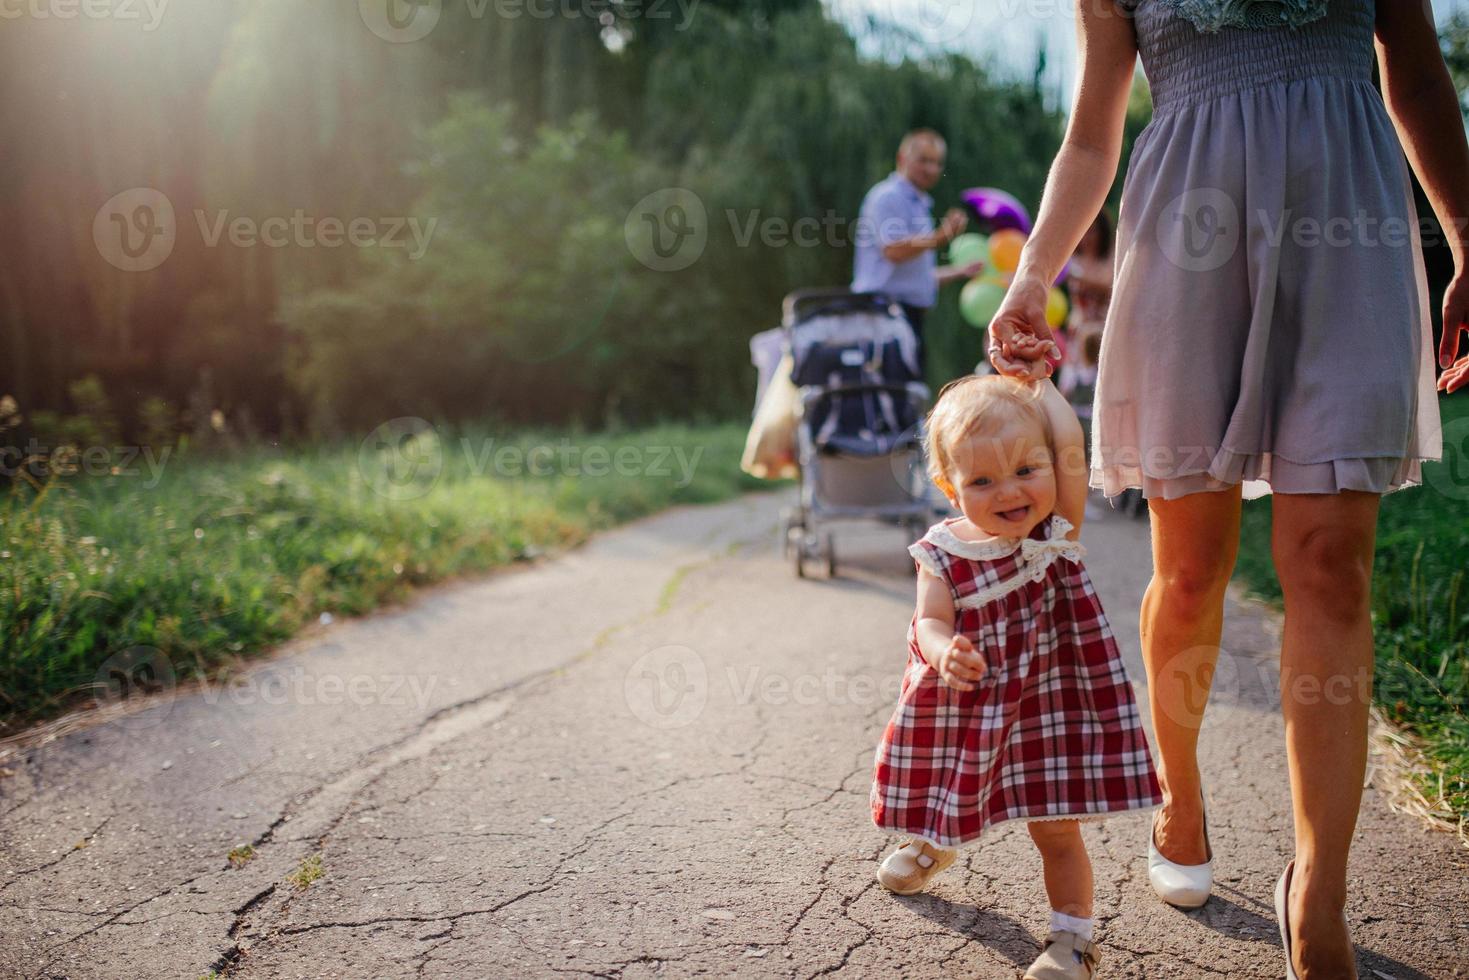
(770, 448)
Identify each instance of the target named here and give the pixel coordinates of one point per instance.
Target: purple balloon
(1065, 271)
(997, 209)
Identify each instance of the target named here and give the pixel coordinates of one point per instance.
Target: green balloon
(969, 248)
(980, 301)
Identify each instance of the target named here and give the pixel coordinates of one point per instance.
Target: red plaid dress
(1052, 729)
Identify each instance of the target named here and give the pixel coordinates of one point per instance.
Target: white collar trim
(943, 536)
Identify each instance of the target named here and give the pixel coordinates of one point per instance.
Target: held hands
(960, 665)
(1021, 344)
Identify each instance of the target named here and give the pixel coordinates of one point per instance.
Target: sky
(1005, 33)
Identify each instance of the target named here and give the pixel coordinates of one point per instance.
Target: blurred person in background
(897, 241)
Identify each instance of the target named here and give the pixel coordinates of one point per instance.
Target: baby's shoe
(910, 868)
(1066, 957)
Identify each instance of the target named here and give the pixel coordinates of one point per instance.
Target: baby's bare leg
(1068, 868)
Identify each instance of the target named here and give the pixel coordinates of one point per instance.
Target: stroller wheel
(796, 546)
(831, 555)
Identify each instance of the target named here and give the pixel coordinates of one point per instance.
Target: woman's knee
(1195, 542)
(1327, 567)
(1194, 583)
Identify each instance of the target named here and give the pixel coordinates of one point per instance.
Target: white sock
(1061, 922)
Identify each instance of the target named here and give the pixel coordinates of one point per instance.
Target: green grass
(218, 558)
(310, 871)
(1420, 605)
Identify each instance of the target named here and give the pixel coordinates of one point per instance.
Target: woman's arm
(1069, 443)
(1079, 180)
(1425, 110)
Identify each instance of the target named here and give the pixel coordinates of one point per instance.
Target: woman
(1269, 331)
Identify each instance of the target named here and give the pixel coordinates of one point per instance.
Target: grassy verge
(1420, 608)
(208, 559)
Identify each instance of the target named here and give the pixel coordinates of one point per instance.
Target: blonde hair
(979, 405)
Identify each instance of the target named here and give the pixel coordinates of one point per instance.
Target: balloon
(1056, 307)
(980, 300)
(997, 209)
(968, 249)
(1005, 249)
(1061, 276)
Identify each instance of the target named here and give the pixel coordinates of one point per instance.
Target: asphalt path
(647, 757)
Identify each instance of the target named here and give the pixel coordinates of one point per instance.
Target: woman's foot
(1320, 943)
(910, 868)
(1182, 876)
(1180, 834)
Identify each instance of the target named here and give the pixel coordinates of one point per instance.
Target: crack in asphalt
(80, 846)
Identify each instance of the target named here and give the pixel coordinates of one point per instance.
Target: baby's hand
(960, 664)
(1033, 348)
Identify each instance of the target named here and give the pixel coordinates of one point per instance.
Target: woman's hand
(960, 665)
(1455, 322)
(1021, 342)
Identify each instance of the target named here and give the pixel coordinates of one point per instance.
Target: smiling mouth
(1014, 515)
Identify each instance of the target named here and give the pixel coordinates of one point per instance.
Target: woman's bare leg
(1195, 542)
(1323, 546)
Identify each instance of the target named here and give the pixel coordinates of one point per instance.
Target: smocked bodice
(1187, 64)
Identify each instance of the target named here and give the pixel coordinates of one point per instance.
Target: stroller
(859, 448)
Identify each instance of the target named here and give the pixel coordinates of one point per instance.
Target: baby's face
(1005, 484)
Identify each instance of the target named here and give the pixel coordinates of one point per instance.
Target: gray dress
(1270, 321)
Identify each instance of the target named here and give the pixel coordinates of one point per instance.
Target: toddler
(1014, 704)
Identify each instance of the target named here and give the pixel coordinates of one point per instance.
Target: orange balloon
(1005, 248)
